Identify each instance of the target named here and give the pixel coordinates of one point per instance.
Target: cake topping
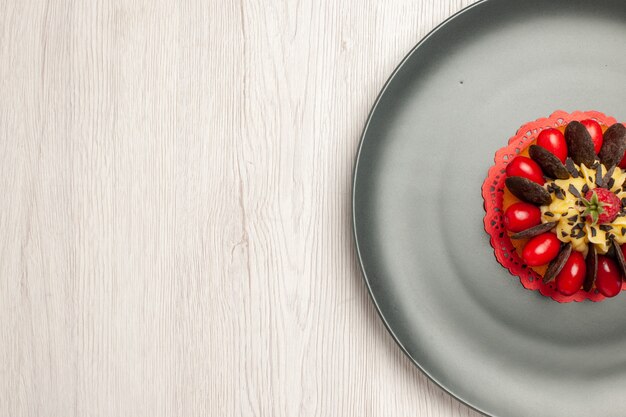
(579, 144)
(549, 163)
(614, 145)
(592, 268)
(575, 175)
(619, 255)
(534, 231)
(558, 263)
(528, 191)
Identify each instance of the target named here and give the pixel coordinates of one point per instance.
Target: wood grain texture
(175, 233)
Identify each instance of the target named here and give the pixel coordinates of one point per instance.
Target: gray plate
(431, 137)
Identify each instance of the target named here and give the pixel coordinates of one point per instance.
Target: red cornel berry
(540, 250)
(553, 140)
(572, 276)
(595, 130)
(521, 216)
(609, 278)
(525, 167)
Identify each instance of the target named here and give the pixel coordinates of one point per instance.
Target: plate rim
(355, 171)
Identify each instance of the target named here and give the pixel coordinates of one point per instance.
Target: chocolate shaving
(549, 214)
(585, 189)
(599, 177)
(573, 218)
(574, 191)
(534, 231)
(593, 232)
(592, 268)
(558, 192)
(569, 165)
(610, 183)
(608, 177)
(606, 227)
(558, 263)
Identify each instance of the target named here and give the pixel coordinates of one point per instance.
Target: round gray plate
(431, 137)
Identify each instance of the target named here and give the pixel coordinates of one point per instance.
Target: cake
(555, 204)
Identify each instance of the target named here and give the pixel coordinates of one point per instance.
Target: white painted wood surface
(175, 217)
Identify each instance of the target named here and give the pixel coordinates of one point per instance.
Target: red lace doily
(493, 194)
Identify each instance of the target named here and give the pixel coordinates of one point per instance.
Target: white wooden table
(175, 235)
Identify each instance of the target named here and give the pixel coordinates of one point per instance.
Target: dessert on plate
(555, 204)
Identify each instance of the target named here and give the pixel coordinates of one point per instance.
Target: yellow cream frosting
(566, 211)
